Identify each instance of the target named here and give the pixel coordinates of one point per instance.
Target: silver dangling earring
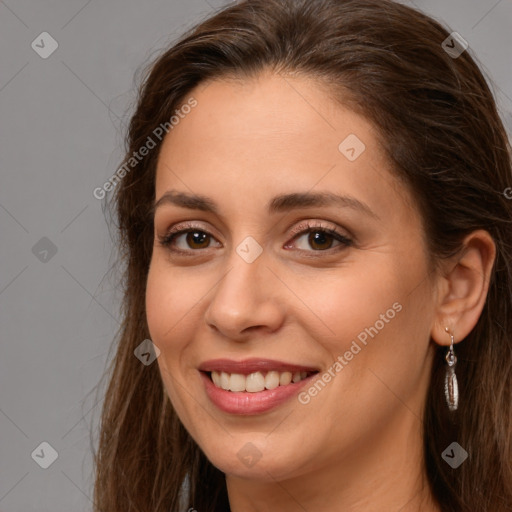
(451, 387)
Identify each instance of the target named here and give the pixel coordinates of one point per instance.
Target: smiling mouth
(256, 381)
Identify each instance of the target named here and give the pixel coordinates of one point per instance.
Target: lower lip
(247, 403)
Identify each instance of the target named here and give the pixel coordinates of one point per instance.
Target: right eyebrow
(190, 201)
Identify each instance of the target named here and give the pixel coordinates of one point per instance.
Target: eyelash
(302, 229)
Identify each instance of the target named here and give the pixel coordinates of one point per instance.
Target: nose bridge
(244, 297)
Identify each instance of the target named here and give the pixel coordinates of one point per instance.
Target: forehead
(289, 115)
(270, 134)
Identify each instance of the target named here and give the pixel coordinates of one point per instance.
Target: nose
(246, 300)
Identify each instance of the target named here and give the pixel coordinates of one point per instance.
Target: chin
(255, 460)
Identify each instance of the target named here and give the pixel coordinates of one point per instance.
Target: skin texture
(357, 444)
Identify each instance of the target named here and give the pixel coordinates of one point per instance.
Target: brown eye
(197, 239)
(188, 240)
(319, 240)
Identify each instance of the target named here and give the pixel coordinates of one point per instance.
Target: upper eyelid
(305, 225)
(302, 226)
(186, 225)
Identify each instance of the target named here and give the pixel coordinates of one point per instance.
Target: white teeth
(224, 380)
(256, 381)
(216, 379)
(236, 382)
(272, 380)
(285, 378)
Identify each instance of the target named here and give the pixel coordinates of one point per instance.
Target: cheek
(174, 311)
(383, 322)
(345, 302)
(159, 304)
(165, 306)
(374, 316)
(170, 299)
(169, 305)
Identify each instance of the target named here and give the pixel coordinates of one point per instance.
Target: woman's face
(252, 168)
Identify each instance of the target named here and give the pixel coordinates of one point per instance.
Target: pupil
(319, 238)
(197, 238)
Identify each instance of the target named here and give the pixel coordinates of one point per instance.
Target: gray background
(61, 129)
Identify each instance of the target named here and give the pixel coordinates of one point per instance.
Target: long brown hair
(438, 124)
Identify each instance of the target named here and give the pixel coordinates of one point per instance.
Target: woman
(318, 281)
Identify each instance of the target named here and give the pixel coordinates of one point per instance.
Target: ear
(462, 288)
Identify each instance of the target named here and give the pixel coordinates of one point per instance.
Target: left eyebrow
(287, 202)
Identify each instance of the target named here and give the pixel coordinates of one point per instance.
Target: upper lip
(247, 366)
